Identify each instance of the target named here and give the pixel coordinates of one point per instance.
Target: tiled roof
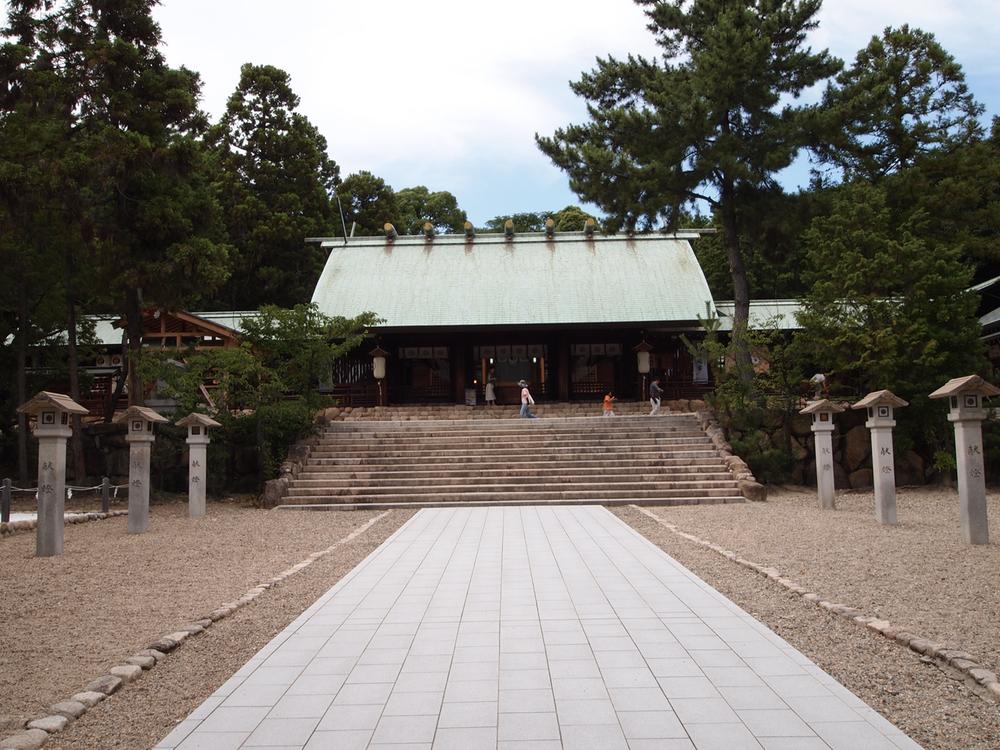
(527, 280)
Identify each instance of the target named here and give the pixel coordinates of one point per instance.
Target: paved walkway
(529, 629)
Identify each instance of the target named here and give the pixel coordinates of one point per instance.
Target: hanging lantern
(378, 355)
(642, 351)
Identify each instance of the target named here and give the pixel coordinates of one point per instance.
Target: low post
(105, 495)
(880, 405)
(139, 421)
(5, 502)
(53, 411)
(822, 412)
(198, 426)
(967, 412)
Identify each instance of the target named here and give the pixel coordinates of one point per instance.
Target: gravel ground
(68, 619)
(843, 553)
(919, 575)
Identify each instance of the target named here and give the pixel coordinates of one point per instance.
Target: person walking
(609, 404)
(655, 396)
(526, 401)
(491, 383)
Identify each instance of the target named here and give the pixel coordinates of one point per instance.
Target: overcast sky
(449, 93)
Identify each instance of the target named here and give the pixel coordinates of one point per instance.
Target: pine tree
(277, 184)
(708, 122)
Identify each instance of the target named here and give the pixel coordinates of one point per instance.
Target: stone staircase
(662, 460)
(424, 412)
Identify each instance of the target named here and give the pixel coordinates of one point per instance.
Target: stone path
(529, 628)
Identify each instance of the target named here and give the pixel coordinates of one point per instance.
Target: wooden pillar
(562, 361)
(459, 354)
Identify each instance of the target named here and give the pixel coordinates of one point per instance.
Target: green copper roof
(527, 280)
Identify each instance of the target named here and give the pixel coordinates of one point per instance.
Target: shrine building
(568, 312)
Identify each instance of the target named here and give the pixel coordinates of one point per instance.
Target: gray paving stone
(478, 738)
(464, 715)
(541, 726)
(607, 737)
(638, 725)
(723, 737)
(272, 732)
(396, 729)
(528, 629)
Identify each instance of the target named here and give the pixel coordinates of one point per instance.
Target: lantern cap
(140, 412)
(378, 351)
(825, 404)
(195, 419)
(968, 384)
(880, 398)
(643, 346)
(46, 400)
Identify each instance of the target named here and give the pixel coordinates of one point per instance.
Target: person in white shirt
(526, 401)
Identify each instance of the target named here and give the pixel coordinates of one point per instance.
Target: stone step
(634, 422)
(515, 502)
(524, 483)
(603, 493)
(526, 443)
(499, 436)
(601, 459)
(514, 455)
(717, 471)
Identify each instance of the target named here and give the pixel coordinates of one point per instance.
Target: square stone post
(198, 440)
(880, 405)
(139, 422)
(967, 412)
(53, 411)
(822, 413)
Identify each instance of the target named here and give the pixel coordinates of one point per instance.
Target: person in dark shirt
(655, 396)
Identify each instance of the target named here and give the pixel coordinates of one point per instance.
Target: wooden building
(564, 312)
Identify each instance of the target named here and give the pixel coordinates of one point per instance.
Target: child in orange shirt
(609, 404)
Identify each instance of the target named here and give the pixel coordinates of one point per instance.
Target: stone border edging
(750, 488)
(960, 660)
(65, 712)
(11, 527)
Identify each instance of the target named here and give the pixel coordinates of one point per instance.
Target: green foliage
(888, 307)
(283, 352)
(710, 121)
(276, 184)
(264, 390)
(369, 203)
(278, 426)
(770, 465)
(568, 219)
(903, 97)
(418, 205)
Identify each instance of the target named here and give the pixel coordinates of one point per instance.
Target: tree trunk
(134, 328)
(22, 384)
(738, 273)
(76, 442)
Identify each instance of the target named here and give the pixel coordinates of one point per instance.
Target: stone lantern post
(139, 421)
(53, 412)
(967, 412)
(880, 405)
(822, 412)
(198, 426)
